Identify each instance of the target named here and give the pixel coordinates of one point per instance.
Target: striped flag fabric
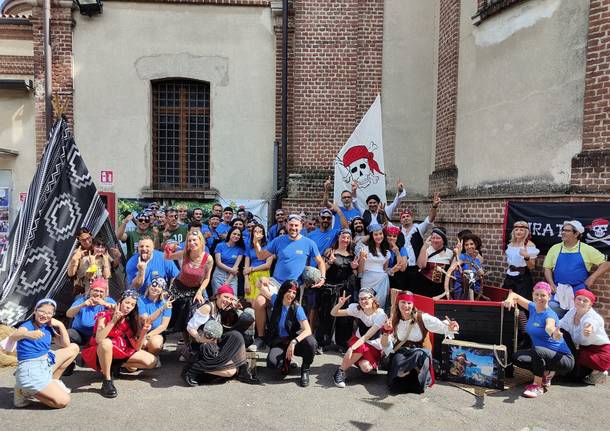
(62, 198)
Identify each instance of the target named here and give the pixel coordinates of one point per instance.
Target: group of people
(228, 286)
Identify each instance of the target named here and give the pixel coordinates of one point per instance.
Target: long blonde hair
(527, 240)
(199, 235)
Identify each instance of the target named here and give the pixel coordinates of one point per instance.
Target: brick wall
(336, 75)
(590, 168)
(61, 48)
(444, 177)
(16, 64)
(16, 31)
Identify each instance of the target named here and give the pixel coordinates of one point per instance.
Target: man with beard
(378, 213)
(280, 220)
(146, 264)
(414, 238)
(349, 211)
(325, 236)
(292, 252)
(173, 230)
(198, 215)
(358, 230)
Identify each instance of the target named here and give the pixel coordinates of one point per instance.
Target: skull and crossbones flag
(545, 220)
(62, 198)
(360, 160)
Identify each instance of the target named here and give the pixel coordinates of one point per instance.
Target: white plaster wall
(520, 94)
(16, 47)
(117, 54)
(17, 133)
(409, 89)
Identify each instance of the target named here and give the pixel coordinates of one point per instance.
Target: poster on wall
(546, 220)
(4, 221)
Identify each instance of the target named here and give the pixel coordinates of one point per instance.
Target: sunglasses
(325, 218)
(143, 220)
(567, 230)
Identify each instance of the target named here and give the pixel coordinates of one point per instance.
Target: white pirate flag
(61, 198)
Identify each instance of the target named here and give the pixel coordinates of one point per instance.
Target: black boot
(304, 376)
(188, 378)
(244, 375)
(108, 389)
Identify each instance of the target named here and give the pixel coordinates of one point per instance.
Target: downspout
(48, 65)
(282, 184)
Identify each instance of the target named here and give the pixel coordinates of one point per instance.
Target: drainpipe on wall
(282, 185)
(48, 86)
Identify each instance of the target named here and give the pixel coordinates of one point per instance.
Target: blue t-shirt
(31, 349)
(209, 242)
(223, 228)
(254, 261)
(272, 234)
(157, 267)
(228, 255)
(148, 307)
(282, 323)
(84, 320)
(349, 215)
(323, 240)
(245, 234)
(403, 252)
(535, 329)
(291, 255)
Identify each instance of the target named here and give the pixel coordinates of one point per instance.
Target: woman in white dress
(373, 256)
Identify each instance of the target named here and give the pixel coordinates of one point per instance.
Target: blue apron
(570, 269)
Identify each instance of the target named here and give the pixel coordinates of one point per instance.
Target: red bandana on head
(360, 152)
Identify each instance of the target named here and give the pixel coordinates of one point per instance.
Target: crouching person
(118, 342)
(219, 355)
(39, 369)
(289, 333)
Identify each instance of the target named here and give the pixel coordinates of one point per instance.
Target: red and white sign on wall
(22, 197)
(106, 178)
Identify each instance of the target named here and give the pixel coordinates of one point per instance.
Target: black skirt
(520, 284)
(230, 352)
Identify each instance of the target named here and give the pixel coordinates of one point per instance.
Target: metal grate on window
(181, 134)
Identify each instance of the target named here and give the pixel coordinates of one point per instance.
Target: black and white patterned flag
(61, 199)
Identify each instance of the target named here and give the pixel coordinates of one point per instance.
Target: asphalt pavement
(158, 400)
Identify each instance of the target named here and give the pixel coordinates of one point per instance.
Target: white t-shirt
(378, 318)
(373, 263)
(422, 228)
(598, 335)
(515, 259)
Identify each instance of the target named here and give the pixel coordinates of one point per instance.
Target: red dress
(123, 341)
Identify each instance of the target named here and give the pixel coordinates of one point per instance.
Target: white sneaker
(63, 386)
(252, 348)
(20, 399)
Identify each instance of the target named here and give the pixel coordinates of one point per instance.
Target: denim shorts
(33, 375)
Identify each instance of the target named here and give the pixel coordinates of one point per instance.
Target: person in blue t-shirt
(347, 208)
(280, 222)
(549, 353)
(153, 308)
(288, 332)
(39, 369)
(84, 309)
(228, 255)
(146, 264)
(224, 227)
(292, 252)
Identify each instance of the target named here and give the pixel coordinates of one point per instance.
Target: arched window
(181, 134)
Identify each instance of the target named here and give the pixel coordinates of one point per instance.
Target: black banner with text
(546, 220)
